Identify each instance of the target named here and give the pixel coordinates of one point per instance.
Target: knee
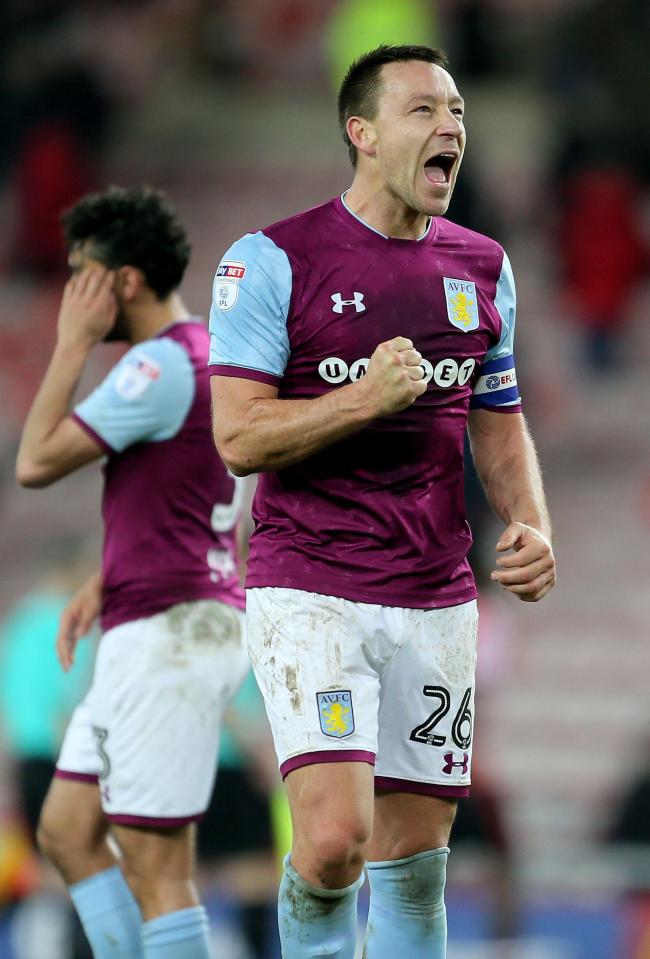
(57, 841)
(335, 850)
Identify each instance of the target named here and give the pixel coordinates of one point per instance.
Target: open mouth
(438, 168)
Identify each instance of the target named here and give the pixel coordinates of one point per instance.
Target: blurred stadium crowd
(229, 107)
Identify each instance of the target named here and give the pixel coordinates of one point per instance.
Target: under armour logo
(450, 763)
(339, 302)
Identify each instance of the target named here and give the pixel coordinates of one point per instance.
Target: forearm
(276, 433)
(52, 403)
(508, 467)
(94, 584)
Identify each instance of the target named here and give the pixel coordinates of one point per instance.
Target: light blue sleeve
(496, 387)
(145, 397)
(505, 301)
(250, 305)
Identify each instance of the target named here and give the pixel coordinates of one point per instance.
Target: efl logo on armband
(497, 383)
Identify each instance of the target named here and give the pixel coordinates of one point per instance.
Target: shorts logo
(335, 713)
(462, 307)
(226, 285)
(451, 762)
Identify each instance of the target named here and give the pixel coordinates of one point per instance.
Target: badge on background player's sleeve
(135, 375)
(335, 713)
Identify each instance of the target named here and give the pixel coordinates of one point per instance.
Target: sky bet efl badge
(230, 273)
(462, 304)
(335, 710)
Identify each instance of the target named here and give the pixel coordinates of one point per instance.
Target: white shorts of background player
(149, 726)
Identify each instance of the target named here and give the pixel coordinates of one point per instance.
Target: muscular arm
(255, 431)
(507, 465)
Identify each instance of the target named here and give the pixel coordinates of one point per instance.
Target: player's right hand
(395, 377)
(77, 619)
(88, 308)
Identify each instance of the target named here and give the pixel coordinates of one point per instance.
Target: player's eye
(423, 108)
(459, 112)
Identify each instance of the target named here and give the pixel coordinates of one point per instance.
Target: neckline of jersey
(345, 210)
(170, 326)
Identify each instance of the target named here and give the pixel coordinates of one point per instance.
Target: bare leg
(73, 834)
(73, 831)
(159, 867)
(331, 809)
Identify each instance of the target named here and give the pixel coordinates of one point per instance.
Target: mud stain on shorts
(203, 622)
(271, 632)
(291, 682)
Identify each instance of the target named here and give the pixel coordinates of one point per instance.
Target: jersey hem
(154, 822)
(379, 597)
(421, 789)
(87, 428)
(75, 776)
(110, 620)
(326, 756)
(245, 373)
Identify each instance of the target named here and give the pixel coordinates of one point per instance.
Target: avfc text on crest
(462, 304)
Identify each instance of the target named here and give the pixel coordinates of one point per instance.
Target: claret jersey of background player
(378, 517)
(170, 506)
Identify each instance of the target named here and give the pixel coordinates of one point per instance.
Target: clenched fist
(395, 377)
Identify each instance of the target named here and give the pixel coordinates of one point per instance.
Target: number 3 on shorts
(461, 728)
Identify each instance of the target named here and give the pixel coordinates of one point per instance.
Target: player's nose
(449, 124)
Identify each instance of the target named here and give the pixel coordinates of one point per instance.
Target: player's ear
(129, 282)
(362, 135)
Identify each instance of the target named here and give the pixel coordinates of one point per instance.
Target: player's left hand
(529, 570)
(77, 619)
(88, 308)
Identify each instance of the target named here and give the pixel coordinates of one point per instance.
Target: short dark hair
(358, 93)
(132, 227)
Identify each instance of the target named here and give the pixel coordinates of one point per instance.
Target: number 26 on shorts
(461, 728)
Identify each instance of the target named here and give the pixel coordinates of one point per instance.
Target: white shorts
(346, 681)
(148, 729)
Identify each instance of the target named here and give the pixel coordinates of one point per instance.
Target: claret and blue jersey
(169, 505)
(302, 305)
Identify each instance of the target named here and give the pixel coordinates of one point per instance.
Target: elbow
(30, 475)
(238, 468)
(234, 458)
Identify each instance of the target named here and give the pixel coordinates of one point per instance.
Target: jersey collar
(394, 239)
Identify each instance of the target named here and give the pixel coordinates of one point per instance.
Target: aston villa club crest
(462, 303)
(335, 713)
